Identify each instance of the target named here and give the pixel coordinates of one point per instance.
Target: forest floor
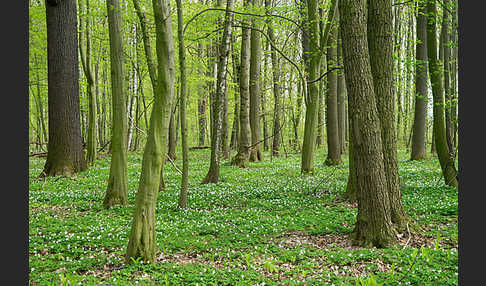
(265, 225)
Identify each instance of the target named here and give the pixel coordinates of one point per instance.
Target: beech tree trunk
(142, 241)
(116, 191)
(446, 159)
(373, 224)
(64, 151)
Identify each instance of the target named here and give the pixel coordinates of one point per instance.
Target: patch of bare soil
(328, 241)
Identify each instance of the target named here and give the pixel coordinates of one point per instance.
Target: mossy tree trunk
(312, 101)
(142, 240)
(373, 224)
(446, 159)
(116, 191)
(64, 150)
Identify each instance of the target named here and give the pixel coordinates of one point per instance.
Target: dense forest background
(247, 141)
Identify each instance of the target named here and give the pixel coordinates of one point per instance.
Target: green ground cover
(266, 225)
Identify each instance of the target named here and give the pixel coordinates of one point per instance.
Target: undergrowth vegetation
(265, 225)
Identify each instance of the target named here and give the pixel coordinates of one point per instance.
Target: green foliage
(262, 224)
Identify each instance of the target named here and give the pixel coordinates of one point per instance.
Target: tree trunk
(116, 191)
(64, 151)
(445, 38)
(373, 224)
(255, 56)
(341, 100)
(142, 240)
(332, 127)
(213, 173)
(419, 139)
(276, 89)
(449, 171)
(380, 43)
(243, 156)
(183, 95)
(201, 104)
(312, 102)
(172, 134)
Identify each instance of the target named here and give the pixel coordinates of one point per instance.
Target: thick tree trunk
(243, 156)
(449, 171)
(64, 151)
(142, 240)
(332, 121)
(373, 225)
(419, 151)
(380, 43)
(213, 173)
(116, 191)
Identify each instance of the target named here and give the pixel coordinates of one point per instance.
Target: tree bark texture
(64, 151)
(213, 173)
(116, 191)
(380, 44)
(419, 140)
(373, 225)
(142, 240)
(446, 159)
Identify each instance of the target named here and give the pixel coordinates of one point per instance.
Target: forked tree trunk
(373, 224)
(116, 191)
(312, 100)
(142, 241)
(64, 151)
